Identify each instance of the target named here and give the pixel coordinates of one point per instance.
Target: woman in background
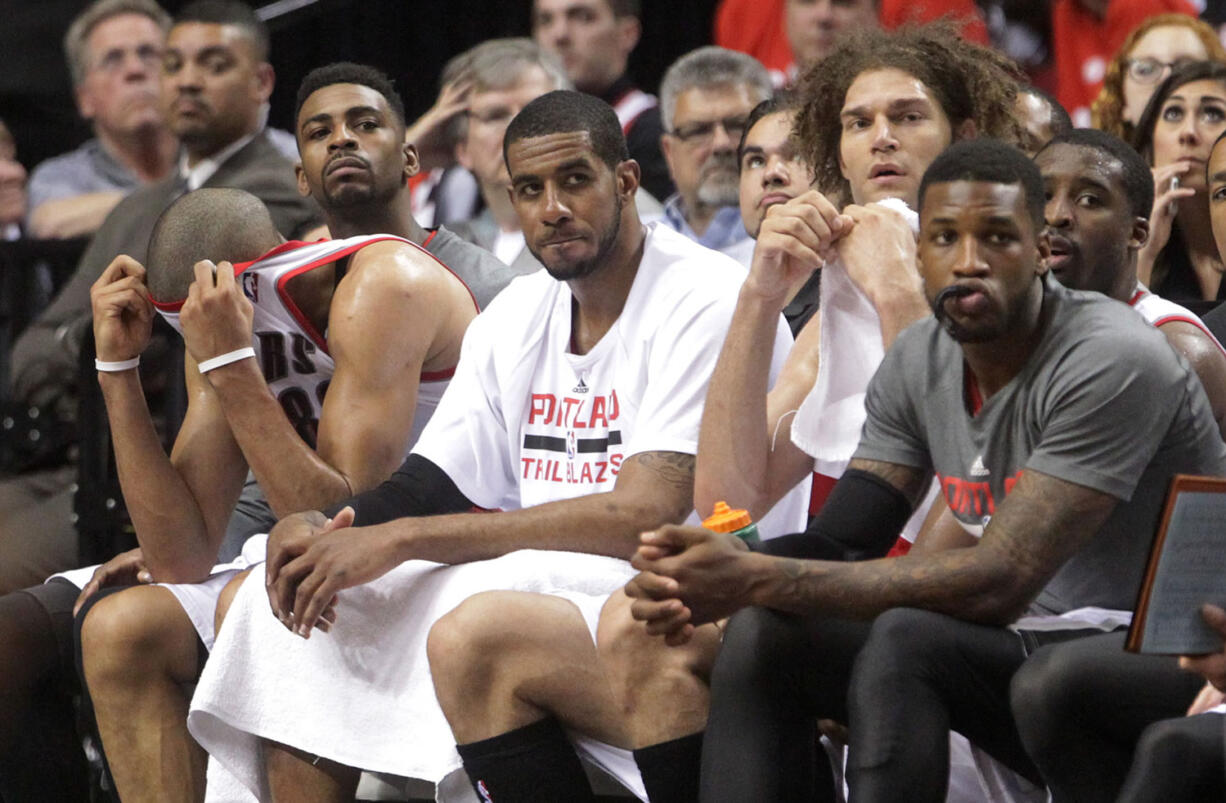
(1185, 116)
(1144, 59)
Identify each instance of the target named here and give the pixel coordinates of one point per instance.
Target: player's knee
(759, 647)
(1167, 742)
(1041, 688)
(125, 632)
(473, 638)
(903, 639)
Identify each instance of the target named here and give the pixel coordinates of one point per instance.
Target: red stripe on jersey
(335, 256)
(1194, 322)
(974, 399)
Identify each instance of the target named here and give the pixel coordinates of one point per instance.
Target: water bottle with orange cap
(736, 522)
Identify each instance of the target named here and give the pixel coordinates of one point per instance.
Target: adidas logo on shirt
(580, 388)
(978, 469)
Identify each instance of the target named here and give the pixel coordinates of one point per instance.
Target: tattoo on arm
(669, 476)
(1035, 530)
(672, 468)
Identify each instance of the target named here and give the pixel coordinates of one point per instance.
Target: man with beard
(705, 99)
(594, 39)
(574, 411)
(1054, 421)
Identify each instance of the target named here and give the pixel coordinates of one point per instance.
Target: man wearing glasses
(705, 99)
(114, 52)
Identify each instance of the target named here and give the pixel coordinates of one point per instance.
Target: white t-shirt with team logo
(526, 421)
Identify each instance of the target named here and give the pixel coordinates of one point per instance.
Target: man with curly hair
(874, 116)
(879, 110)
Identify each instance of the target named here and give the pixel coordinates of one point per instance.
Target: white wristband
(225, 359)
(118, 365)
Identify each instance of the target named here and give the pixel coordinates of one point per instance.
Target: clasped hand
(795, 238)
(688, 576)
(311, 558)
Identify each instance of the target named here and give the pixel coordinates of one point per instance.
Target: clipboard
(1187, 568)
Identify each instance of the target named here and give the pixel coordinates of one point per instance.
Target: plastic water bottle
(737, 522)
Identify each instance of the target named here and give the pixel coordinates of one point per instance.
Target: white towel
(361, 694)
(828, 424)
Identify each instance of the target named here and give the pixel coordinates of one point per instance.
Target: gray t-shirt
(1103, 402)
(87, 169)
(483, 272)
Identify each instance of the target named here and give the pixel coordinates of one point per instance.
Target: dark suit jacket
(44, 361)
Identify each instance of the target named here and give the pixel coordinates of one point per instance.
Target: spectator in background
(444, 192)
(1187, 113)
(773, 171)
(114, 52)
(705, 100)
(782, 34)
(12, 187)
(593, 39)
(1040, 117)
(813, 27)
(1085, 34)
(1145, 58)
(503, 76)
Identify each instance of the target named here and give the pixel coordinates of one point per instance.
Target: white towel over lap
(380, 714)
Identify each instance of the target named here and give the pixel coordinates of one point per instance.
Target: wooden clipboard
(1180, 484)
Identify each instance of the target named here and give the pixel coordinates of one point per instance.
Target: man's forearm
(964, 583)
(897, 308)
(599, 524)
(73, 217)
(169, 524)
(734, 451)
(292, 475)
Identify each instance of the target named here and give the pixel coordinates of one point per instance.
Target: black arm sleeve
(418, 488)
(860, 520)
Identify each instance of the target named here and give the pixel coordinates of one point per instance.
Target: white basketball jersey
(292, 353)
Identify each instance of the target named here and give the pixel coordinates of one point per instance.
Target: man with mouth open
(1053, 420)
(1099, 196)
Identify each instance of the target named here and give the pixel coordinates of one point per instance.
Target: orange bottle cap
(726, 520)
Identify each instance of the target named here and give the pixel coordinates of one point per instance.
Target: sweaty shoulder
(395, 264)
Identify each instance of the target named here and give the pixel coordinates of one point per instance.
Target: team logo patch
(251, 287)
(978, 469)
